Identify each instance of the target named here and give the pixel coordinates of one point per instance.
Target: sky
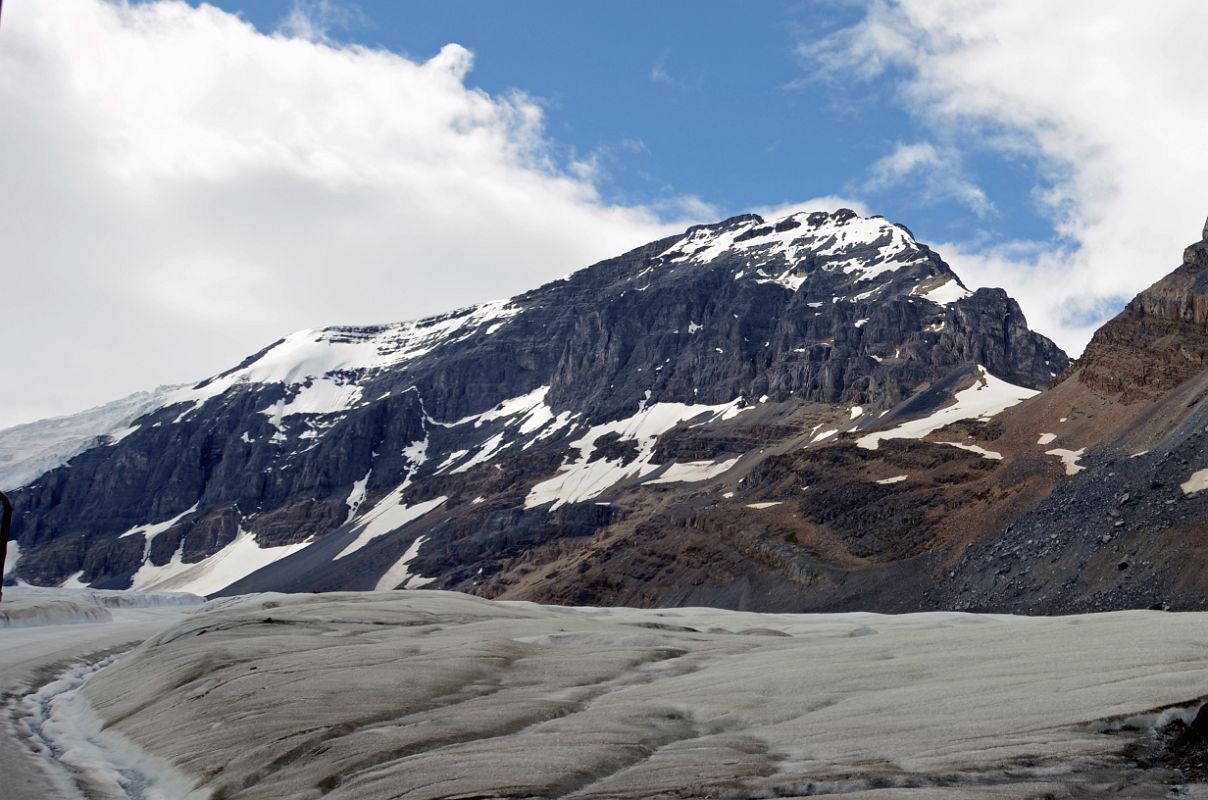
(185, 183)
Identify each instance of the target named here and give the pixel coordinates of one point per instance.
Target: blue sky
(682, 99)
(185, 183)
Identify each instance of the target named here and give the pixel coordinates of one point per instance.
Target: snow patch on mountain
(155, 529)
(694, 471)
(485, 452)
(388, 514)
(584, 479)
(305, 357)
(824, 435)
(1069, 460)
(357, 496)
(243, 556)
(399, 576)
(416, 453)
(947, 292)
(315, 396)
(529, 413)
(972, 448)
(529, 404)
(450, 460)
(1197, 482)
(523, 415)
(988, 396)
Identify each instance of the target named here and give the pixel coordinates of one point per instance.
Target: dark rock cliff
(1159, 340)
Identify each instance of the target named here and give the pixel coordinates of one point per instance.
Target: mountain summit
(590, 440)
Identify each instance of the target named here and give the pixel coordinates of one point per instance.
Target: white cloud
(680, 80)
(934, 174)
(315, 19)
(1108, 98)
(658, 72)
(181, 189)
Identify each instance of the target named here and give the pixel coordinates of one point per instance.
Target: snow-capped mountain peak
(786, 251)
(324, 459)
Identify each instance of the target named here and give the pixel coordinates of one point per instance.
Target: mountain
(1125, 527)
(741, 415)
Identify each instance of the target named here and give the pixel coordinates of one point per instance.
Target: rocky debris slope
(436, 695)
(1123, 527)
(482, 447)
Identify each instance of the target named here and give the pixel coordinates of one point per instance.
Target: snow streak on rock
(240, 558)
(988, 396)
(389, 514)
(693, 471)
(155, 529)
(399, 576)
(585, 479)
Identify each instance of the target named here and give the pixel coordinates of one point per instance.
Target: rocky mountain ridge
(787, 414)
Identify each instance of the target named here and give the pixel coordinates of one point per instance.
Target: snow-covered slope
(987, 397)
(31, 450)
(318, 368)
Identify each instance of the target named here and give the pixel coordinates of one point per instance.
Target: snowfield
(441, 695)
(987, 397)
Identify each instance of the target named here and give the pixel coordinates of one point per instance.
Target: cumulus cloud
(180, 189)
(1107, 99)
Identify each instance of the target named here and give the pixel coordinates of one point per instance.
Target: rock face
(1160, 339)
(602, 428)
